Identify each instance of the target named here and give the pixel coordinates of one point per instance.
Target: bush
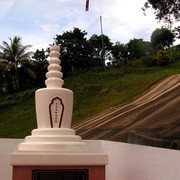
(149, 60)
(162, 58)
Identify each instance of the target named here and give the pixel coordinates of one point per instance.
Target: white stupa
(54, 106)
(54, 141)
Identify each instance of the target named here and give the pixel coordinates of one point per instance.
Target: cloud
(123, 20)
(38, 22)
(6, 6)
(49, 27)
(37, 41)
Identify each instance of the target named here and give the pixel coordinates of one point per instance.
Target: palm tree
(14, 55)
(1, 75)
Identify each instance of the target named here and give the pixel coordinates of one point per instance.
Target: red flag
(87, 5)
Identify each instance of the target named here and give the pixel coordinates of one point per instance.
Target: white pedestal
(57, 152)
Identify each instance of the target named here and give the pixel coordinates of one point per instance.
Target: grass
(94, 91)
(97, 91)
(17, 114)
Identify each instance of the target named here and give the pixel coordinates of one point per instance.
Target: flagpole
(102, 41)
(101, 31)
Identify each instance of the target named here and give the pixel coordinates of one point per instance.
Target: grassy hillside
(94, 92)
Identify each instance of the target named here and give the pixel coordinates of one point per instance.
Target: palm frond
(23, 50)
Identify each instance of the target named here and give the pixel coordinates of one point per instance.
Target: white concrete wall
(6, 147)
(126, 161)
(135, 162)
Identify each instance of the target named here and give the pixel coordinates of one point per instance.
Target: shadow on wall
(140, 139)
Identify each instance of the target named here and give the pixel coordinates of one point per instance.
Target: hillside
(94, 92)
(151, 119)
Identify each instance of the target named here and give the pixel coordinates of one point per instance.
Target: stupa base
(59, 172)
(67, 166)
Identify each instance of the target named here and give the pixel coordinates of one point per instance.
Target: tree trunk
(15, 81)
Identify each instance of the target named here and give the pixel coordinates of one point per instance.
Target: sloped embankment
(152, 119)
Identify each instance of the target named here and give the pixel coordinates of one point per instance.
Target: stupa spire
(54, 74)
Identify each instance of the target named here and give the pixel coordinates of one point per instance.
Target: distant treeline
(21, 69)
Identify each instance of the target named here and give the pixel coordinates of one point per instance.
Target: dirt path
(151, 119)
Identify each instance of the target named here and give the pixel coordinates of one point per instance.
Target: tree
(162, 37)
(166, 10)
(2, 68)
(101, 51)
(76, 52)
(138, 48)
(120, 53)
(40, 66)
(176, 32)
(15, 57)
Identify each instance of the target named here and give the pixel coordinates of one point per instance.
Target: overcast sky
(38, 21)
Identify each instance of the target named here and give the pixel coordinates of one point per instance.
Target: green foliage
(162, 57)
(76, 52)
(174, 53)
(17, 114)
(138, 48)
(15, 57)
(40, 64)
(176, 32)
(163, 9)
(101, 48)
(10, 100)
(162, 37)
(2, 72)
(149, 60)
(120, 53)
(168, 11)
(167, 56)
